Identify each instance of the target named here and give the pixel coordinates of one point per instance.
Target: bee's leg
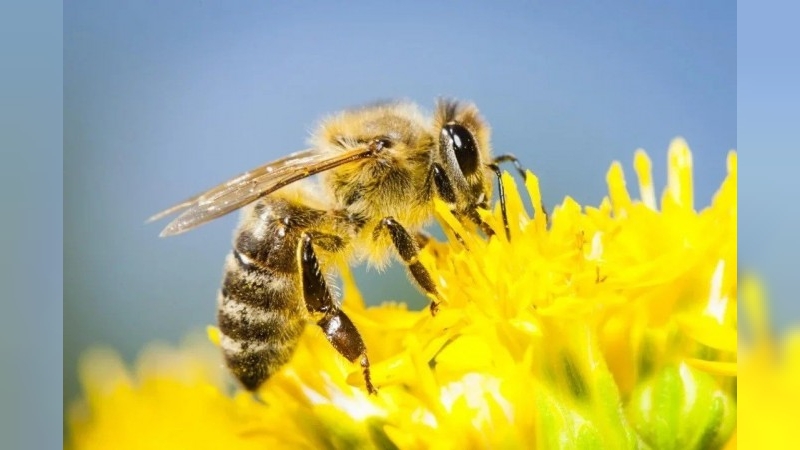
(338, 328)
(522, 172)
(422, 238)
(409, 252)
(513, 159)
(473, 215)
(445, 189)
(502, 194)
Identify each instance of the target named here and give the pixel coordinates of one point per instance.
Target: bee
(380, 168)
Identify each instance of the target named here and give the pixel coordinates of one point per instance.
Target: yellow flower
(611, 326)
(769, 386)
(176, 399)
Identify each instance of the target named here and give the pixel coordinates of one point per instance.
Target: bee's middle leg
(408, 249)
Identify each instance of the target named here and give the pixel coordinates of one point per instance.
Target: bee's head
(464, 152)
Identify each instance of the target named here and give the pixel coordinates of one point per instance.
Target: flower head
(610, 326)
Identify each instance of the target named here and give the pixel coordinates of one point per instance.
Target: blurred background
(165, 99)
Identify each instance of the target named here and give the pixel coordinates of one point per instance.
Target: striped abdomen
(261, 313)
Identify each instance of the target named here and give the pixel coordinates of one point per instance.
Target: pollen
(610, 326)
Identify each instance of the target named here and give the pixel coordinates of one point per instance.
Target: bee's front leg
(444, 189)
(508, 157)
(521, 170)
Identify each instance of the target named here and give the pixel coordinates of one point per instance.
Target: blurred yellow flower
(769, 384)
(593, 327)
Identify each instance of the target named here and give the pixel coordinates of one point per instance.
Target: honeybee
(381, 167)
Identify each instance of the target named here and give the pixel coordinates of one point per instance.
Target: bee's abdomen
(260, 315)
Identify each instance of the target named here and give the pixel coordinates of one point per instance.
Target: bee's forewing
(252, 185)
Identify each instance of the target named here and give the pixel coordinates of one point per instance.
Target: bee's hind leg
(408, 249)
(338, 328)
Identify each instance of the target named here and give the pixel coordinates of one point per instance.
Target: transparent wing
(252, 185)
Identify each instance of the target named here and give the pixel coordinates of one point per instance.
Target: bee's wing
(252, 185)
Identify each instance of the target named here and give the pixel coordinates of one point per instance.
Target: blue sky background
(768, 126)
(164, 99)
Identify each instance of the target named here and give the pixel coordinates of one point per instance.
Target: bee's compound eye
(464, 147)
